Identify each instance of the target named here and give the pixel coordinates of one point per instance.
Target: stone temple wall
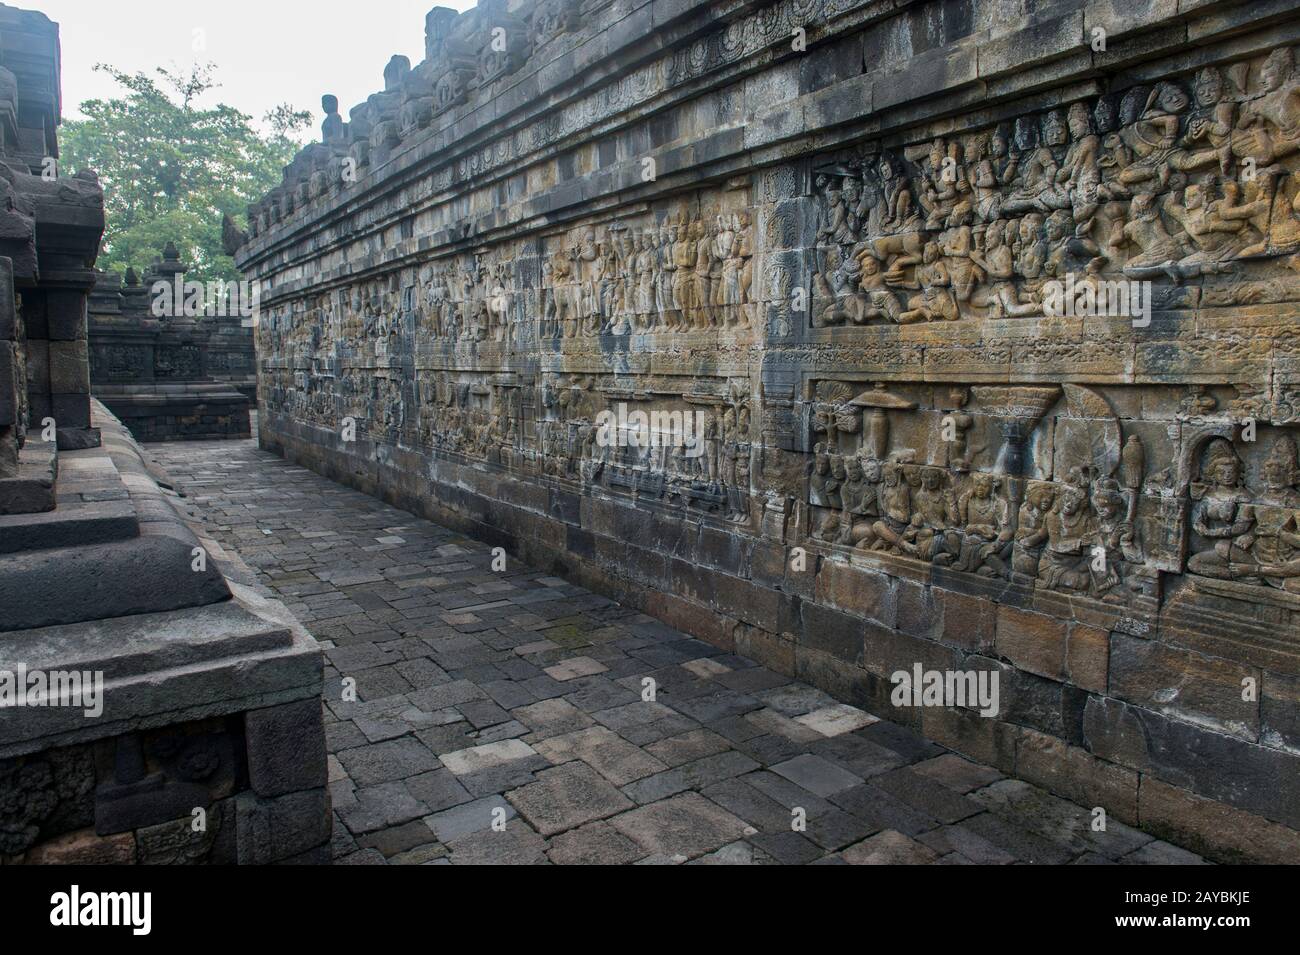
(167, 375)
(984, 312)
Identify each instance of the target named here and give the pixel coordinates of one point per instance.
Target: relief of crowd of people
(1152, 184)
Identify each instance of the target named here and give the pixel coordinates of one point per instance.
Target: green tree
(170, 167)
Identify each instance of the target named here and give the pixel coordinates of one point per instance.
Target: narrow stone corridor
(499, 714)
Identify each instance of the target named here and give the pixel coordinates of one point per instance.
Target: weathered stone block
(1023, 698)
(70, 410)
(69, 368)
(1185, 685)
(1280, 710)
(1117, 17)
(1087, 657)
(1032, 641)
(286, 748)
(279, 828)
(187, 841)
(66, 315)
(832, 632)
(768, 649)
(968, 622)
(1077, 775)
(1042, 40)
(1212, 828)
(856, 591)
(919, 609)
(982, 739)
(1250, 777)
(9, 379)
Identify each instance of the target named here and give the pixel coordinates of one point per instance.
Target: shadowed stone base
(182, 412)
(1078, 743)
(205, 743)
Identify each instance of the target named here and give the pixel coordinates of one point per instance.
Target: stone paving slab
(498, 716)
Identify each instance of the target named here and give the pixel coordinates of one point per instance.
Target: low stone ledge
(31, 490)
(180, 655)
(1042, 737)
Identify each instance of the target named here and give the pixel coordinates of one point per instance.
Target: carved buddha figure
(861, 507)
(877, 300)
(1031, 250)
(1060, 256)
(1080, 173)
(663, 264)
(895, 502)
(836, 211)
(745, 252)
(1070, 533)
(728, 285)
(1116, 536)
(985, 519)
(1223, 515)
(701, 280)
(1208, 139)
(997, 263)
(838, 476)
(818, 496)
(1243, 213)
(684, 250)
(1031, 531)
(1269, 125)
(936, 301)
(945, 192)
(1284, 220)
(994, 172)
(1157, 248)
(645, 284)
(957, 243)
(1281, 473)
(829, 475)
(934, 515)
(1277, 538)
(897, 212)
(1153, 137)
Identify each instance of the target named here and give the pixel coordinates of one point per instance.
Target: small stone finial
(131, 278)
(170, 263)
(332, 128)
(437, 27)
(395, 72)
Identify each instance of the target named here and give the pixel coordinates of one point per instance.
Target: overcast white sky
(266, 51)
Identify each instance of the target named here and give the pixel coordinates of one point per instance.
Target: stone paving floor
(499, 715)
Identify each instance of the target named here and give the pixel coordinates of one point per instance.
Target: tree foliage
(170, 167)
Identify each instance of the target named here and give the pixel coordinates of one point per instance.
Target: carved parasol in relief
(880, 400)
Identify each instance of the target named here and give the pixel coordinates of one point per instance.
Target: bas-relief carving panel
(934, 413)
(942, 257)
(509, 356)
(1192, 184)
